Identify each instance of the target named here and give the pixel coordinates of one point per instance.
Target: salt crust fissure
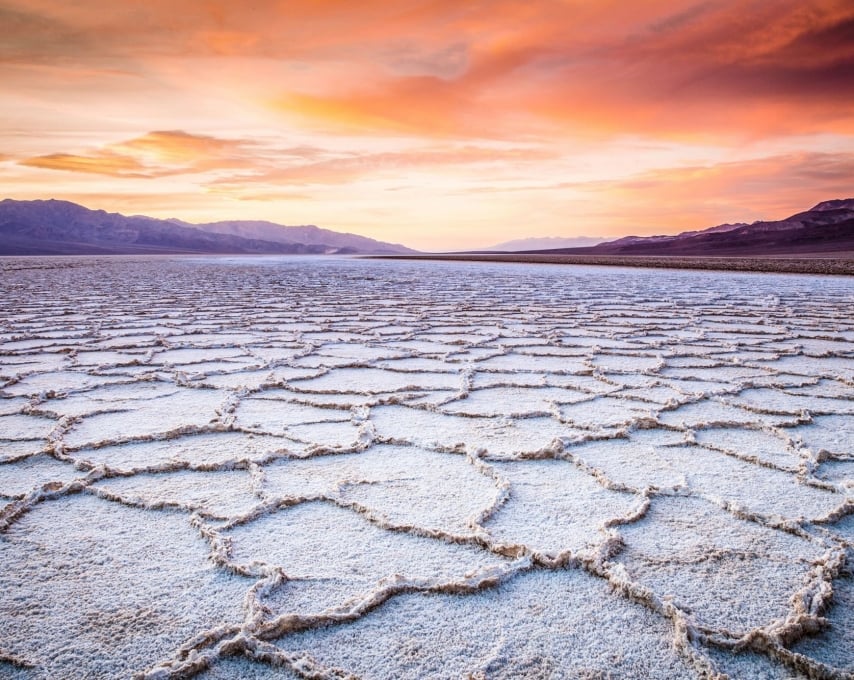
(355, 446)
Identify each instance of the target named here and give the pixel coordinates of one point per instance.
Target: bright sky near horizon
(435, 123)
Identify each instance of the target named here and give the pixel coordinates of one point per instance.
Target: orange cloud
(103, 163)
(477, 104)
(156, 154)
(182, 149)
(703, 72)
(273, 196)
(695, 197)
(500, 69)
(351, 167)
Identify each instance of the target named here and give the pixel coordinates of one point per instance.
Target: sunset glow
(436, 124)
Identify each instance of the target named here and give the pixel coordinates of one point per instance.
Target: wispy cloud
(694, 197)
(343, 168)
(100, 163)
(155, 154)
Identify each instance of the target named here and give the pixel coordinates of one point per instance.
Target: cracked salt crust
(631, 462)
(367, 380)
(519, 402)
(212, 451)
(498, 436)
(444, 492)
(343, 468)
(334, 557)
(276, 417)
(18, 478)
(220, 494)
(105, 597)
(711, 564)
(185, 410)
(531, 627)
(832, 435)
(555, 508)
(772, 448)
(21, 427)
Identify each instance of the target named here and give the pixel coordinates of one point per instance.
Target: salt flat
(335, 468)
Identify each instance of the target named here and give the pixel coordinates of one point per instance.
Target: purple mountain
(64, 228)
(826, 228)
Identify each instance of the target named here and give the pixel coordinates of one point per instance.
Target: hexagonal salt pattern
(337, 468)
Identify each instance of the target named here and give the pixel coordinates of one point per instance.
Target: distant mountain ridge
(543, 242)
(53, 227)
(825, 228)
(308, 235)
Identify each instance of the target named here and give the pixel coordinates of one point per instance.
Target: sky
(440, 124)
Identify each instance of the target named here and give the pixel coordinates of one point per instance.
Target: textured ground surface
(838, 263)
(285, 468)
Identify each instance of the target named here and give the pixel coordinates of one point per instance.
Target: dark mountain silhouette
(63, 228)
(826, 228)
(307, 235)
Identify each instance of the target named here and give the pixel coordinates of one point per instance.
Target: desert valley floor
(332, 468)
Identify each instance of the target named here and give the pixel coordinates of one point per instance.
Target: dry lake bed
(332, 468)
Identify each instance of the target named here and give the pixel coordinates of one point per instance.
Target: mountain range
(54, 227)
(827, 228)
(543, 243)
